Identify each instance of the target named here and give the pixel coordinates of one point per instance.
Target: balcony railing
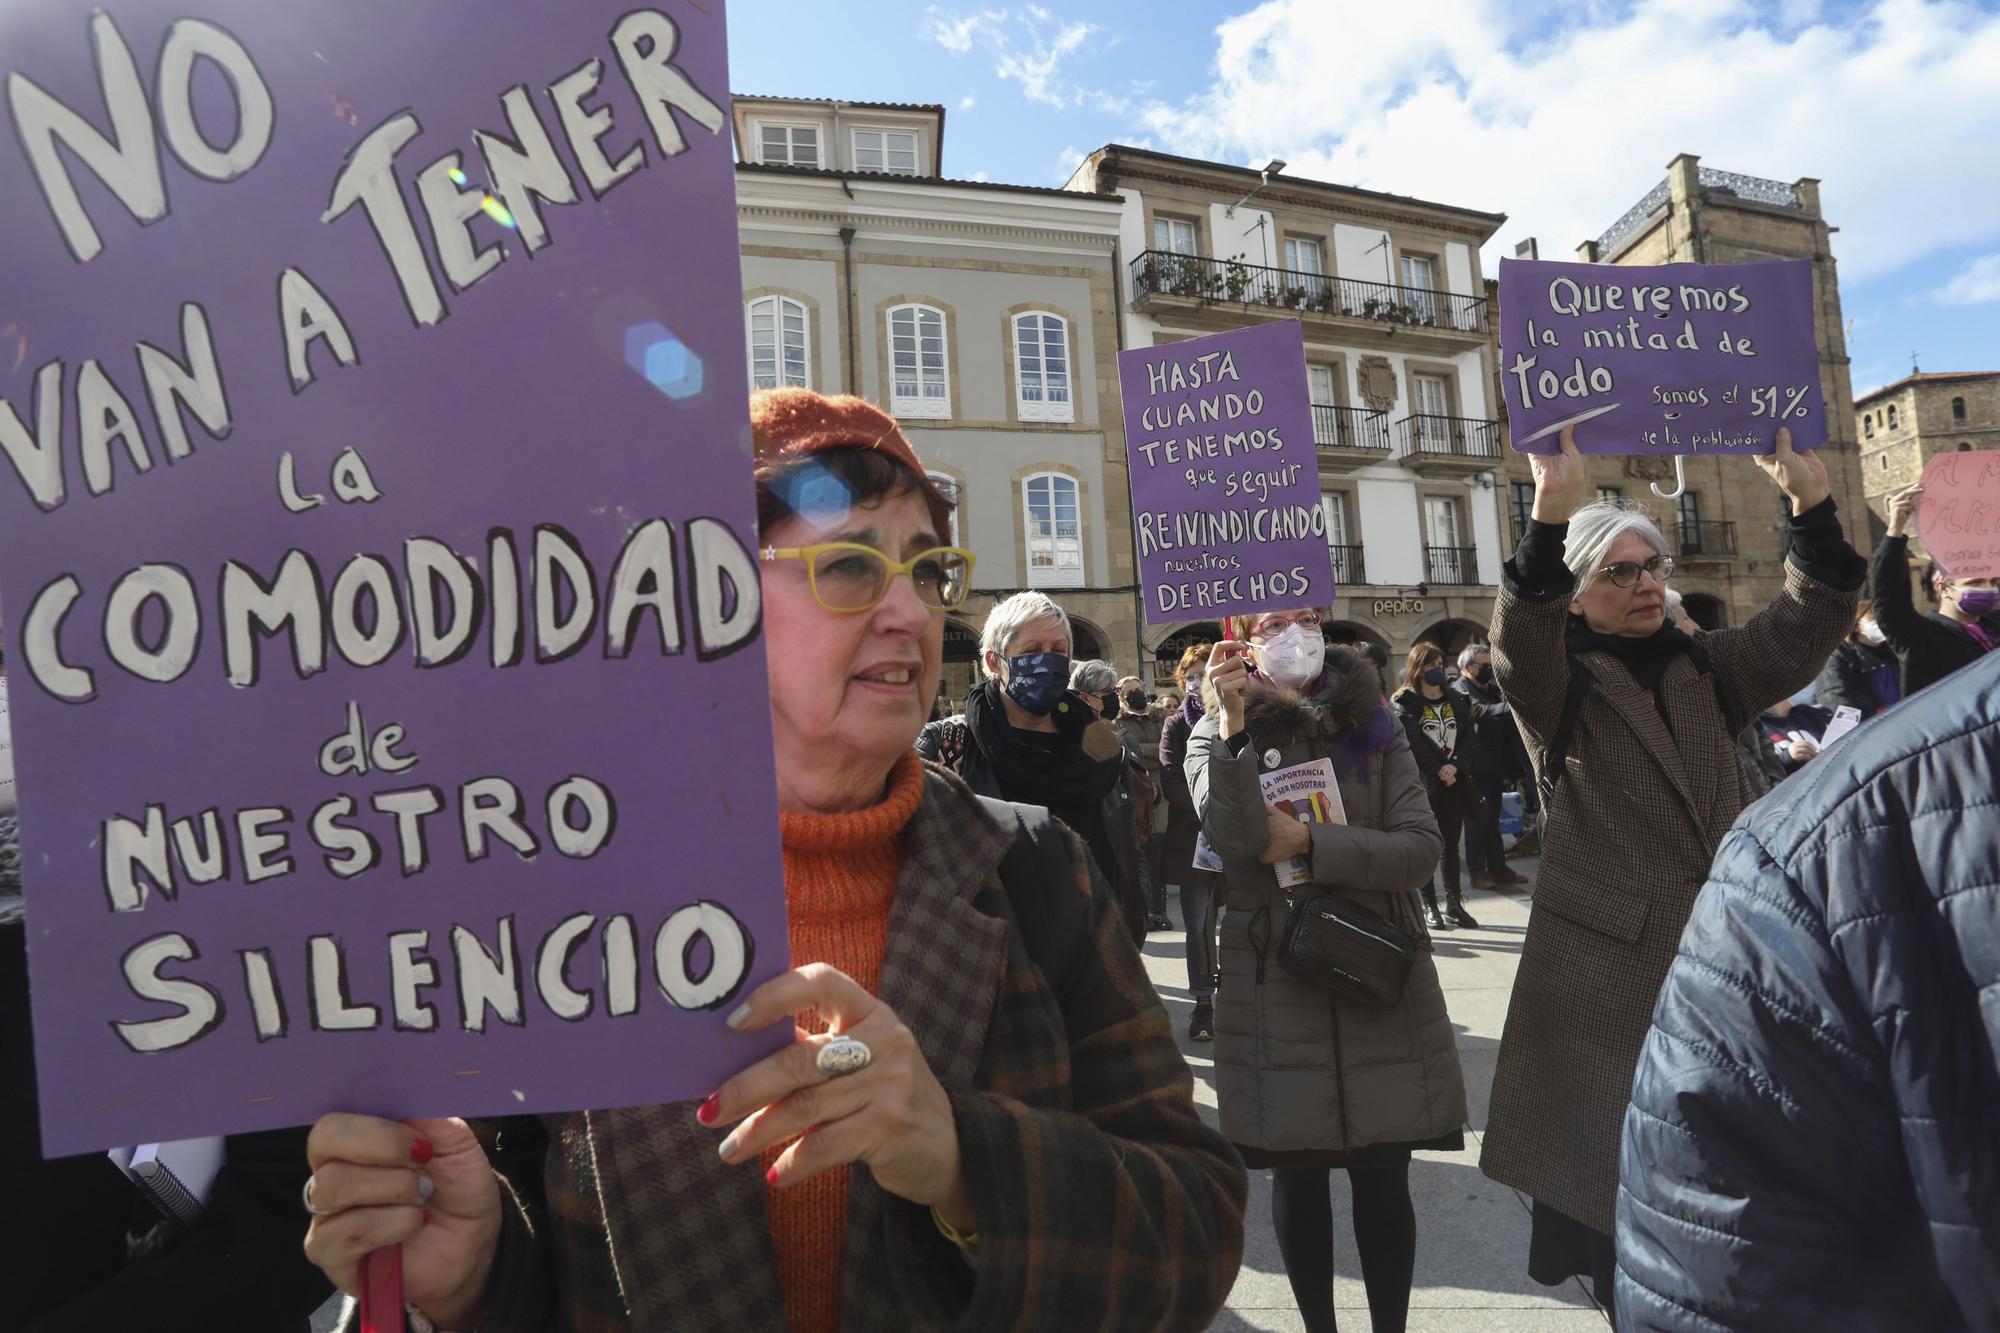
(1699, 538)
(1337, 427)
(1428, 436)
(1233, 282)
(1347, 566)
(1451, 564)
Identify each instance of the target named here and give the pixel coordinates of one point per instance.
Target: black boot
(1431, 903)
(1201, 1023)
(1455, 910)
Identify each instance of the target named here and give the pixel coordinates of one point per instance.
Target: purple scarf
(1351, 747)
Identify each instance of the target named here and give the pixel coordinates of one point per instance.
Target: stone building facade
(1728, 526)
(1905, 425)
(1400, 360)
(983, 316)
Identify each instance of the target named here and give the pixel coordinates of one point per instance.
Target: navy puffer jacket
(1814, 1135)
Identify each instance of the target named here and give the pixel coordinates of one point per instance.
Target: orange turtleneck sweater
(840, 878)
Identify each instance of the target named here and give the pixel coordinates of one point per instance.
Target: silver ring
(306, 1196)
(843, 1055)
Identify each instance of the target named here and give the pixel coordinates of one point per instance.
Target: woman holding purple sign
(1313, 1074)
(1008, 1079)
(1631, 726)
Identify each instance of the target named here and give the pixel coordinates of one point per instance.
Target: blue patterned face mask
(1037, 681)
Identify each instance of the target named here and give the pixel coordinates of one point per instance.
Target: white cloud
(1029, 46)
(979, 176)
(965, 102)
(955, 32)
(1975, 284)
(1566, 124)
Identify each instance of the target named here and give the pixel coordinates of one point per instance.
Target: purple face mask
(1978, 601)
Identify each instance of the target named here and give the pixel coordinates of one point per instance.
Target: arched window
(1958, 409)
(949, 488)
(1868, 425)
(778, 328)
(1052, 518)
(919, 379)
(1041, 367)
(1892, 416)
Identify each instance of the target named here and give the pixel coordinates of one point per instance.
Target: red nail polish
(427, 1217)
(771, 1176)
(710, 1109)
(420, 1151)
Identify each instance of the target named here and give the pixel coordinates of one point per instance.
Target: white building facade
(983, 316)
(1400, 352)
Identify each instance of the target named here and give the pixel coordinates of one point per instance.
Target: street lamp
(1276, 165)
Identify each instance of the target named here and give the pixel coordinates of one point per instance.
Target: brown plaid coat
(1103, 1200)
(1643, 804)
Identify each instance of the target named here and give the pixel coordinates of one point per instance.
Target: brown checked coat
(1648, 791)
(1103, 1200)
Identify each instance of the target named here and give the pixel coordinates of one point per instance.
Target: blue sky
(1562, 125)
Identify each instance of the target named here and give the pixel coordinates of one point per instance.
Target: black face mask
(1136, 700)
(1484, 675)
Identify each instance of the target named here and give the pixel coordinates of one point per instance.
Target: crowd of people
(1746, 1079)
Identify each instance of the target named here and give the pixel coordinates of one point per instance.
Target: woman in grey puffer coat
(1307, 1084)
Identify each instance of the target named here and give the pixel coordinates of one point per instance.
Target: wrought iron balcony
(1233, 282)
(1422, 436)
(1347, 566)
(1336, 427)
(1707, 539)
(1451, 564)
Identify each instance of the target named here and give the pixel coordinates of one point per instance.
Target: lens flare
(668, 364)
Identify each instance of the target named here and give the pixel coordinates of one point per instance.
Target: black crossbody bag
(1335, 942)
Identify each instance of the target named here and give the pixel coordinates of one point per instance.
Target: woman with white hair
(1026, 736)
(1631, 724)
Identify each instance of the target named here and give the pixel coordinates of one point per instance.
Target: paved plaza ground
(1472, 1235)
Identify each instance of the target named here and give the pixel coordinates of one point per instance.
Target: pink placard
(1959, 518)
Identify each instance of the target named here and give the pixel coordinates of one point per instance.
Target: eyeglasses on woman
(849, 577)
(1625, 573)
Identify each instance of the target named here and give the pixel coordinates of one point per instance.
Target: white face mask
(1871, 633)
(1294, 658)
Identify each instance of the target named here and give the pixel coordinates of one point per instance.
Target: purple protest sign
(376, 542)
(1666, 359)
(1225, 485)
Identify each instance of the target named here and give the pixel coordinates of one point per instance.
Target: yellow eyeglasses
(850, 577)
